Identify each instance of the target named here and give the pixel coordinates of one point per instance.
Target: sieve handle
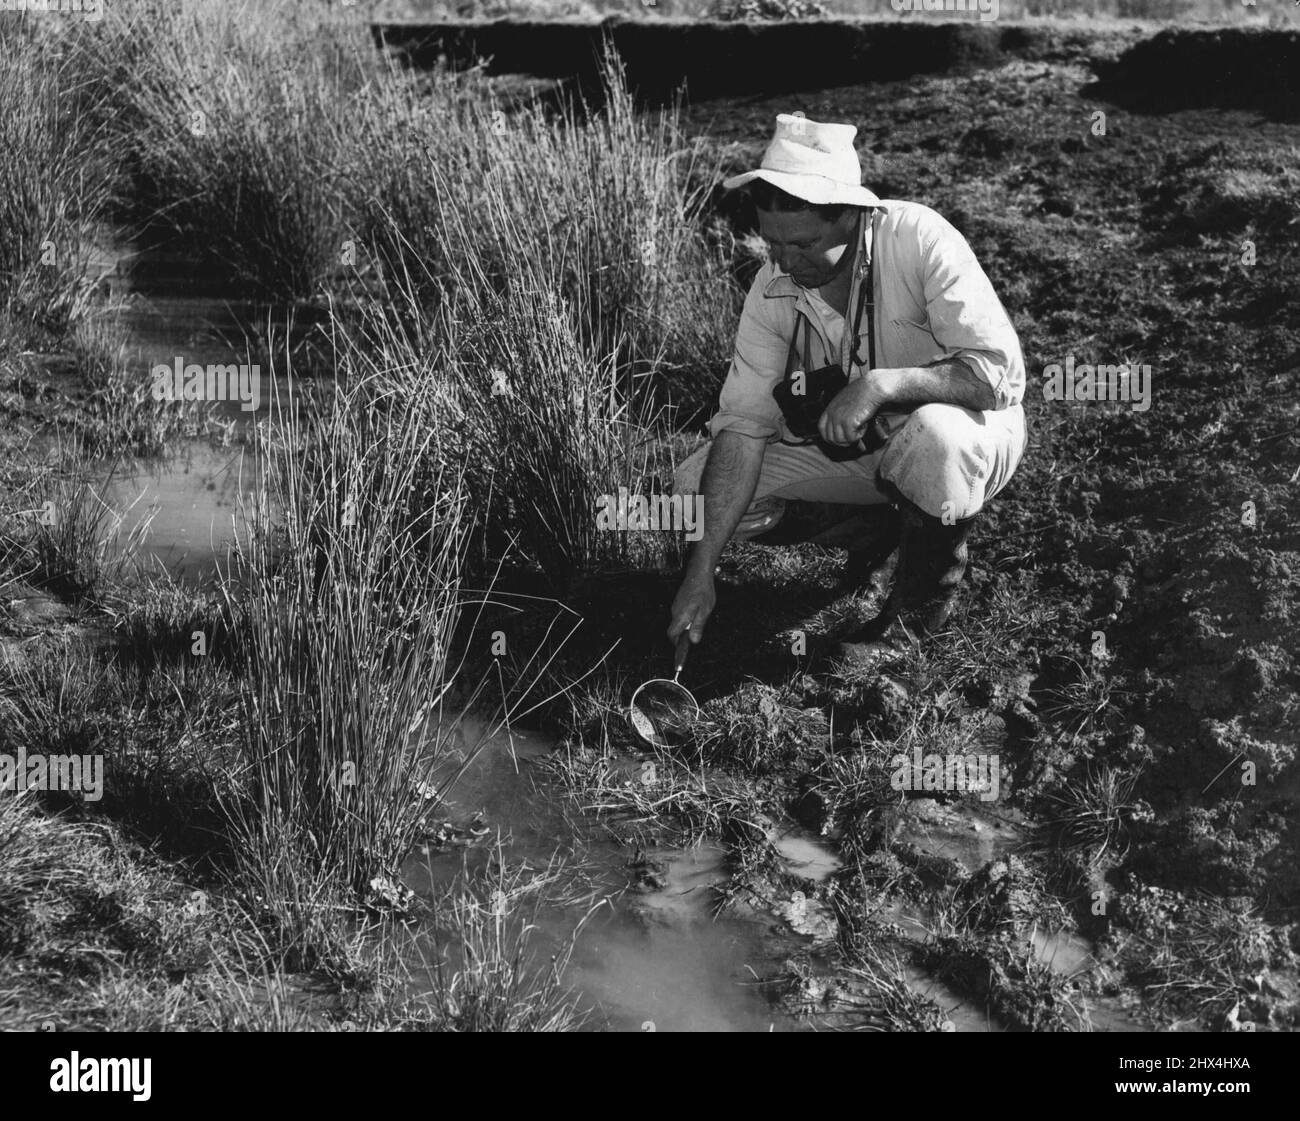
(679, 656)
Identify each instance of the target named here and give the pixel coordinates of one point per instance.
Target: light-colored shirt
(933, 301)
(831, 320)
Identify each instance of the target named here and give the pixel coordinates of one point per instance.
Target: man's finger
(681, 623)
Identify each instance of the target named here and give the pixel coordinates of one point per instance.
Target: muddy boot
(931, 564)
(870, 550)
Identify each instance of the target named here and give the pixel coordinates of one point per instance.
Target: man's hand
(692, 607)
(846, 418)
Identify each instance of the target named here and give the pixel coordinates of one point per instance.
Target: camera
(802, 406)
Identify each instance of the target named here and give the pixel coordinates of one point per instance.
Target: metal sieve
(661, 711)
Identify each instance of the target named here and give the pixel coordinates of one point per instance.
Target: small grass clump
(1094, 814)
(489, 973)
(1195, 953)
(60, 532)
(890, 1003)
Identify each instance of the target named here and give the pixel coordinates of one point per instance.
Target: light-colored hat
(812, 161)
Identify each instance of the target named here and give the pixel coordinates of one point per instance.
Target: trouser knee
(940, 461)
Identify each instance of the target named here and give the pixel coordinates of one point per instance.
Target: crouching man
(874, 364)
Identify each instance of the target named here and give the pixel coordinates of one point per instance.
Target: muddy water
(973, 835)
(169, 311)
(166, 311)
(655, 956)
(188, 506)
(653, 959)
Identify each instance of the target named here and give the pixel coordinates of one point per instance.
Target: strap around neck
(867, 298)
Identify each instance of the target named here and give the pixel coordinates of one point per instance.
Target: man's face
(805, 245)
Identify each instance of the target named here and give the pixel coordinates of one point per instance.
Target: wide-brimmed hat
(812, 161)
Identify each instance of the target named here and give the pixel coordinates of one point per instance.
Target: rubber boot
(931, 564)
(870, 550)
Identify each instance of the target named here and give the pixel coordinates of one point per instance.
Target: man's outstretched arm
(730, 479)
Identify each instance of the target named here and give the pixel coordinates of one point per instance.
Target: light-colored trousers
(943, 458)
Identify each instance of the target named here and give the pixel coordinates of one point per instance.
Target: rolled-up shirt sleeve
(966, 317)
(746, 404)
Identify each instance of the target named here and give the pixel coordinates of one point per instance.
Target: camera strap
(867, 303)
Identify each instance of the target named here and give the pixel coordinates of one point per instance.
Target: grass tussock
(1094, 814)
(53, 187)
(60, 531)
(489, 972)
(230, 120)
(1197, 954)
(601, 209)
(348, 595)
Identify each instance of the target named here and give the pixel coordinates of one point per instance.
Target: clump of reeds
(348, 595)
(229, 123)
(601, 207)
(1094, 813)
(52, 186)
(556, 268)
